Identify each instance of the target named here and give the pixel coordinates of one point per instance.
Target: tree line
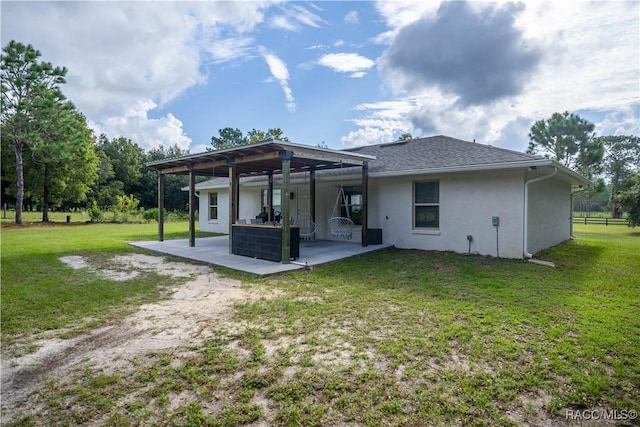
(51, 158)
(611, 162)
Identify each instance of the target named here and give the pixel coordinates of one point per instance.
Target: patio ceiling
(259, 159)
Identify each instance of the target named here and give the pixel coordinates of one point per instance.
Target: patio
(215, 251)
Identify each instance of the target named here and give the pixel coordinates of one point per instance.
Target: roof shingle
(436, 152)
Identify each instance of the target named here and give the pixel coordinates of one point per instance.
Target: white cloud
(367, 136)
(399, 14)
(388, 109)
(317, 47)
(590, 62)
(338, 43)
(347, 63)
(625, 121)
(593, 56)
(293, 17)
(223, 50)
(351, 17)
(128, 58)
(280, 72)
(136, 125)
(284, 23)
(380, 121)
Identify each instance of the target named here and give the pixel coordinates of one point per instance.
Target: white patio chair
(307, 228)
(341, 228)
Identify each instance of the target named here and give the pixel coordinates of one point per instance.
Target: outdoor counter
(263, 241)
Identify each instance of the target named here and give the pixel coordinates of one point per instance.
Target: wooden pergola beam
(264, 158)
(192, 207)
(160, 206)
(312, 193)
(233, 183)
(365, 203)
(269, 196)
(213, 164)
(284, 197)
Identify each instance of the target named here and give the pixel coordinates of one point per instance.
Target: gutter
(526, 210)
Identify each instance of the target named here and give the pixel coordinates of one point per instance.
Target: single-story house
(434, 193)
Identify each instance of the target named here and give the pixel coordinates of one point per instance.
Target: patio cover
(263, 158)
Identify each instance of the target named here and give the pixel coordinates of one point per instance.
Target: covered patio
(266, 158)
(215, 251)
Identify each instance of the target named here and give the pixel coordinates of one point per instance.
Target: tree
(30, 89)
(274, 134)
(126, 160)
(106, 188)
(175, 198)
(569, 139)
(629, 200)
(622, 158)
(229, 137)
(120, 164)
(62, 164)
(405, 137)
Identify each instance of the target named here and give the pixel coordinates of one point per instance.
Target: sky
(337, 72)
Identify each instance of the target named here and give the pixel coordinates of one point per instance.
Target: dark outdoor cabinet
(263, 241)
(374, 236)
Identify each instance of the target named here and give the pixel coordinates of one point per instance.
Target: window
(353, 195)
(277, 201)
(426, 204)
(213, 206)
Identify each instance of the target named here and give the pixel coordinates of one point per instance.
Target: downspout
(526, 210)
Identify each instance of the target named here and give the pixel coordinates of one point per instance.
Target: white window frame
(213, 205)
(432, 204)
(277, 199)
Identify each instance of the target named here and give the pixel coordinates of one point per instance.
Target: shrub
(173, 216)
(125, 208)
(151, 214)
(95, 213)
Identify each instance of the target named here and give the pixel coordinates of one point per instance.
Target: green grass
(29, 217)
(395, 337)
(606, 214)
(40, 293)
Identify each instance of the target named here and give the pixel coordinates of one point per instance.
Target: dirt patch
(177, 323)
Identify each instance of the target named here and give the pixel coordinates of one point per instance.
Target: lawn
(40, 293)
(395, 337)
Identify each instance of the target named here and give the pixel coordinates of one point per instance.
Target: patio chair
(341, 228)
(307, 228)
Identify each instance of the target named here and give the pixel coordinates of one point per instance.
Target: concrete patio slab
(215, 251)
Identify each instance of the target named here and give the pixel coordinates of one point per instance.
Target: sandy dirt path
(180, 322)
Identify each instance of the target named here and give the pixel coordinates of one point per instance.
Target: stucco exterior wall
(467, 204)
(221, 225)
(468, 201)
(549, 214)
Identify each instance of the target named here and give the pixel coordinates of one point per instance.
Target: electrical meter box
(495, 221)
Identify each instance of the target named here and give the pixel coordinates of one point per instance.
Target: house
(435, 193)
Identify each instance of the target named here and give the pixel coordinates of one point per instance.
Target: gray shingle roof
(417, 154)
(436, 152)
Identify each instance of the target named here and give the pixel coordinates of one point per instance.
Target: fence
(601, 221)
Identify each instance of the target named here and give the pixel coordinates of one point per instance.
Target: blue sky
(342, 73)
